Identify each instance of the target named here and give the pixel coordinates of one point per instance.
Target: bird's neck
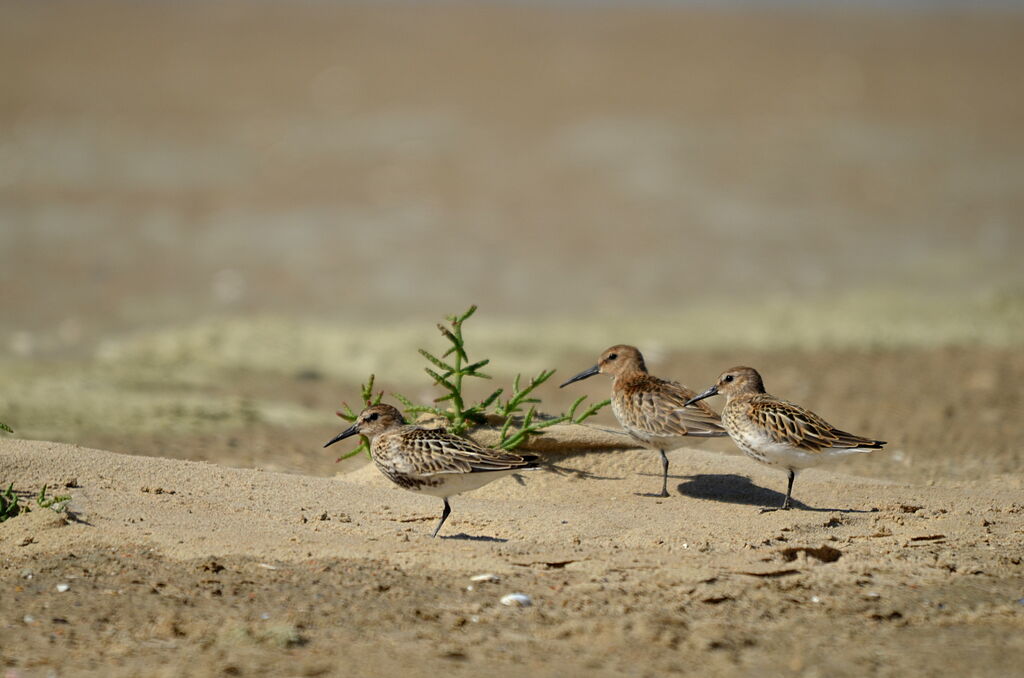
(740, 398)
(629, 376)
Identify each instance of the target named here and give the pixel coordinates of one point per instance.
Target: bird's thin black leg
(789, 493)
(789, 490)
(664, 473)
(444, 517)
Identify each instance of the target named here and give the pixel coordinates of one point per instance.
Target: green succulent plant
(449, 372)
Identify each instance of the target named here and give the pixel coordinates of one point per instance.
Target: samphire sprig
(10, 506)
(449, 373)
(530, 424)
(449, 370)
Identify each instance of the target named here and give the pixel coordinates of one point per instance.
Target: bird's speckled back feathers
(657, 408)
(791, 424)
(416, 451)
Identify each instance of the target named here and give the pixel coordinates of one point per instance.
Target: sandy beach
(279, 574)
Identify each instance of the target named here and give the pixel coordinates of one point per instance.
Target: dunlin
(653, 411)
(777, 432)
(430, 461)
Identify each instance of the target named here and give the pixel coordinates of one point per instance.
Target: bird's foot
(771, 510)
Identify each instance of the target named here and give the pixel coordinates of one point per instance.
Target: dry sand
(187, 568)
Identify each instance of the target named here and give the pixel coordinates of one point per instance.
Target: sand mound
(187, 509)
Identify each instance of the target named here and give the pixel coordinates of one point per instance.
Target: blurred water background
(221, 216)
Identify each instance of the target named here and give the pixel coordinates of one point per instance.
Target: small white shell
(516, 600)
(485, 577)
(61, 588)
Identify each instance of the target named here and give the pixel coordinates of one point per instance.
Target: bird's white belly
(767, 451)
(661, 442)
(449, 484)
(666, 443)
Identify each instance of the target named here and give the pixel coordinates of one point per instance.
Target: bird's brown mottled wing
(659, 408)
(424, 452)
(789, 423)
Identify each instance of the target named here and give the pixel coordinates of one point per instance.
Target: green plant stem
(450, 373)
(458, 423)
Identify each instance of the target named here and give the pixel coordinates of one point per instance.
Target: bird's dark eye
(728, 378)
(373, 417)
(613, 356)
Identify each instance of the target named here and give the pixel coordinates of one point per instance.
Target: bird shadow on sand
(462, 536)
(73, 517)
(735, 489)
(561, 470)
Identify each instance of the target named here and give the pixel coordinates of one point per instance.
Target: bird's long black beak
(583, 375)
(350, 431)
(706, 394)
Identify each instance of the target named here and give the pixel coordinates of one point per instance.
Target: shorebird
(653, 411)
(430, 461)
(777, 432)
